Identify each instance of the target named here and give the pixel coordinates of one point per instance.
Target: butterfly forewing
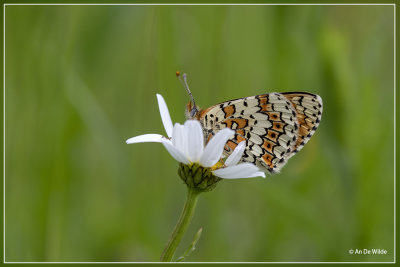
(274, 126)
(309, 112)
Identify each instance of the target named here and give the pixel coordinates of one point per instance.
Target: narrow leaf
(192, 246)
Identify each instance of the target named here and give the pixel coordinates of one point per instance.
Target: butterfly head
(191, 111)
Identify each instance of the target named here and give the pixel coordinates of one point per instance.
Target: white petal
(165, 117)
(243, 170)
(236, 155)
(213, 151)
(179, 138)
(195, 140)
(146, 138)
(175, 153)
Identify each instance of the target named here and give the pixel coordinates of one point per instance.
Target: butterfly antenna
(185, 84)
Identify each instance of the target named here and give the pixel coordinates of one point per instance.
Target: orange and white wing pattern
(274, 126)
(308, 112)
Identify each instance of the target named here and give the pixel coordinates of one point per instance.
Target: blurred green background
(80, 80)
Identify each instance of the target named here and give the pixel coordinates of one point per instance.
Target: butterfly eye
(193, 111)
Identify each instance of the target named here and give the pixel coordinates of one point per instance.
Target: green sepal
(198, 177)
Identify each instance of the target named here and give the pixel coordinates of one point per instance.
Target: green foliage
(80, 80)
(191, 247)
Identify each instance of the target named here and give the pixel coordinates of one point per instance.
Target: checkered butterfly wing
(308, 109)
(274, 126)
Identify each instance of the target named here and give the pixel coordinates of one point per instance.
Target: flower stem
(182, 225)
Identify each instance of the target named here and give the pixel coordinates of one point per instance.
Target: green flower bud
(196, 176)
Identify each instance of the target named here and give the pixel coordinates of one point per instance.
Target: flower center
(218, 165)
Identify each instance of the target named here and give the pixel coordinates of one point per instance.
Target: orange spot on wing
(230, 146)
(277, 126)
(268, 146)
(304, 129)
(240, 138)
(263, 102)
(266, 107)
(274, 116)
(301, 118)
(272, 135)
(241, 123)
(228, 123)
(263, 97)
(267, 158)
(229, 110)
(241, 132)
(303, 132)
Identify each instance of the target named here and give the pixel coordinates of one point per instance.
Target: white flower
(185, 143)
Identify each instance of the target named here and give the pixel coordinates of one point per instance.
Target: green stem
(182, 225)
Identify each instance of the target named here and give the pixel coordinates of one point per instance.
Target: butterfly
(275, 126)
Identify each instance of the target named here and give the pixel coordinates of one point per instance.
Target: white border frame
(191, 4)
